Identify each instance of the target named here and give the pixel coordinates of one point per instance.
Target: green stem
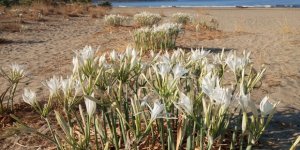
(96, 137)
(161, 132)
(171, 145)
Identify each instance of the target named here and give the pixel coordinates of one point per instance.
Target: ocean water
(210, 3)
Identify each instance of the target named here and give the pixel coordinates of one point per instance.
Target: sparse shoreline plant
(115, 20)
(181, 18)
(146, 19)
(178, 99)
(158, 37)
(13, 76)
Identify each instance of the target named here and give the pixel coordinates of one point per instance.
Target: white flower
(16, 72)
(29, 97)
(130, 52)
(165, 58)
(185, 103)
(245, 102)
(158, 108)
(209, 83)
(133, 62)
(102, 59)
(53, 85)
(102, 62)
(113, 55)
(90, 106)
(176, 55)
(164, 69)
(236, 63)
(221, 96)
(265, 106)
(77, 87)
(66, 85)
(17, 68)
(211, 87)
(87, 53)
(198, 54)
(179, 71)
(209, 67)
(76, 64)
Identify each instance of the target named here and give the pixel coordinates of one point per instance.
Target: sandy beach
(271, 34)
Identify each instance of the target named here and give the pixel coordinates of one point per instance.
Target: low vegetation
(12, 75)
(158, 37)
(205, 23)
(116, 20)
(181, 18)
(179, 100)
(147, 19)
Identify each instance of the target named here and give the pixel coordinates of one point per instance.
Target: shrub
(105, 4)
(146, 19)
(181, 18)
(158, 37)
(115, 20)
(182, 100)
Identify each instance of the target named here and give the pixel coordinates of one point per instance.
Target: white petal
(90, 106)
(29, 97)
(265, 106)
(157, 110)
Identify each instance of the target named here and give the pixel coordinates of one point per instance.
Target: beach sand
(271, 34)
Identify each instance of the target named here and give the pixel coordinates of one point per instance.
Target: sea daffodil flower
(209, 83)
(185, 104)
(29, 97)
(164, 69)
(90, 106)
(157, 110)
(198, 54)
(53, 85)
(265, 106)
(179, 71)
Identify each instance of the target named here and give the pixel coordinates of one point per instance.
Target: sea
(211, 3)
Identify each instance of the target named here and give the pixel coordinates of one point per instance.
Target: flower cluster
(158, 37)
(146, 19)
(205, 97)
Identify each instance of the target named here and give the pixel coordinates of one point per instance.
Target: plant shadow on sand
(282, 130)
(211, 49)
(8, 41)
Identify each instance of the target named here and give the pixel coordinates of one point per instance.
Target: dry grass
(13, 19)
(74, 10)
(202, 11)
(97, 12)
(11, 27)
(239, 26)
(38, 10)
(43, 8)
(204, 23)
(285, 27)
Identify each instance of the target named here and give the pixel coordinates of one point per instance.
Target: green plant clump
(105, 4)
(158, 37)
(183, 100)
